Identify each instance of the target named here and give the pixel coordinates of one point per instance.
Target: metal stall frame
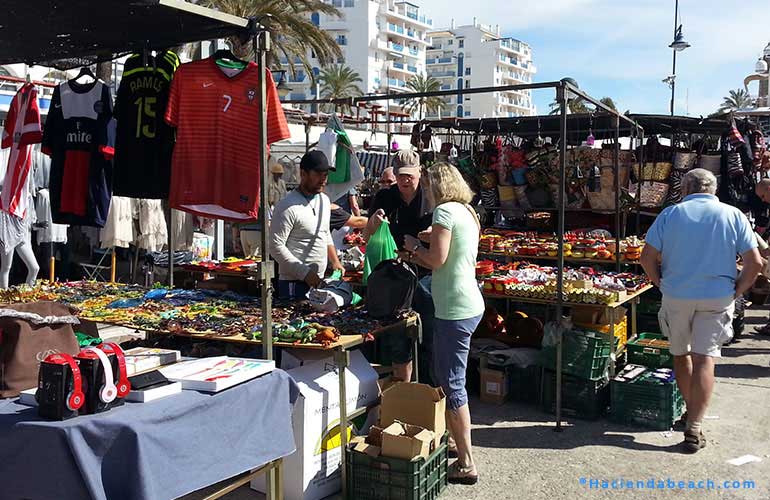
(566, 90)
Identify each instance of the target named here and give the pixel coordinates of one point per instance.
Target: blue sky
(619, 48)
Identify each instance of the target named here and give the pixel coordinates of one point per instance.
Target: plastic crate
(585, 354)
(584, 399)
(384, 478)
(621, 330)
(651, 357)
(646, 402)
(524, 383)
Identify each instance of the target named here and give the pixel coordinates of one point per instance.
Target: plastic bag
(381, 246)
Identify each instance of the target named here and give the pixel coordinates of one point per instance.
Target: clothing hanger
(225, 59)
(84, 71)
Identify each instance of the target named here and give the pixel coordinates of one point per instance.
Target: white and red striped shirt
(22, 129)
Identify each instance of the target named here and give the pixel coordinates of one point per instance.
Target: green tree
(340, 82)
(291, 29)
(578, 105)
(736, 99)
(422, 105)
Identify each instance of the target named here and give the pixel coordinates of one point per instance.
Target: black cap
(315, 160)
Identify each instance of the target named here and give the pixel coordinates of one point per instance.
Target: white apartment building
(475, 56)
(384, 41)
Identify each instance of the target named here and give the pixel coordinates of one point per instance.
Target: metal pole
(673, 70)
(561, 95)
(387, 113)
(262, 43)
(639, 190)
(616, 164)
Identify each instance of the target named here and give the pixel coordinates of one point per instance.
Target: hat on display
(315, 160)
(406, 162)
(275, 167)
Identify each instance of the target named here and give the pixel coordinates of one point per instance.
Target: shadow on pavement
(731, 352)
(543, 437)
(741, 371)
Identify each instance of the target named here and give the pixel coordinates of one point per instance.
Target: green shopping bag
(381, 246)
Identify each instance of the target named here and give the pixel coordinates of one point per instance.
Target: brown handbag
(29, 333)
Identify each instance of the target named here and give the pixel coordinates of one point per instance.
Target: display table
(159, 450)
(631, 299)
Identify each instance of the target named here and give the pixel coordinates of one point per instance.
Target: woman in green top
(454, 242)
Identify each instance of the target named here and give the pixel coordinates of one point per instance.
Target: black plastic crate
(580, 398)
(524, 383)
(384, 478)
(646, 402)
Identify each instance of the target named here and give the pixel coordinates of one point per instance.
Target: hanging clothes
(78, 138)
(22, 129)
(119, 228)
(144, 142)
(182, 228)
(153, 233)
(41, 169)
(345, 160)
(327, 143)
(216, 162)
(49, 232)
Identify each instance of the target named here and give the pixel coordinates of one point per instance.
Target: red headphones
(124, 386)
(76, 398)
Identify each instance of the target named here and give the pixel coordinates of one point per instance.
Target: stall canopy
(665, 124)
(42, 31)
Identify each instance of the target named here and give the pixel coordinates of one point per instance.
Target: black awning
(36, 31)
(666, 124)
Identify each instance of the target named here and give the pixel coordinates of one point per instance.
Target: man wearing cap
(276, 190)
(407, 209)
(300, 239)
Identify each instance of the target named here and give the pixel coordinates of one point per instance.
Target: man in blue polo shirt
(691, 255)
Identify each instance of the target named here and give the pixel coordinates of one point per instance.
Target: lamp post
(679, 44)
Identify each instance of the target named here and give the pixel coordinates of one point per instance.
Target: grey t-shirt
(300, 235)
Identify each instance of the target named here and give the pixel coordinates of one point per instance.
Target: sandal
(693, 442)
(451, 448)
(681, 424)
(458, 474)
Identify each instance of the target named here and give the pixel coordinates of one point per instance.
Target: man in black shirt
(407, 209)
(404, 205)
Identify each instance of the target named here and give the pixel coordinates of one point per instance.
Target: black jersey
(144, 142)
(78, 136)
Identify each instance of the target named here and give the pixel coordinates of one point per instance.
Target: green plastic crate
(384, 478)
(584, 399)
(585, 354)
(646, 402)
(649, 356)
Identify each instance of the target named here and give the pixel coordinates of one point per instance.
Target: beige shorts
(697, 326)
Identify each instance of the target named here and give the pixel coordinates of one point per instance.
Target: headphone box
(54, 387)
(93, 381)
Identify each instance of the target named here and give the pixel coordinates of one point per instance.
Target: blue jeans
(451, 345)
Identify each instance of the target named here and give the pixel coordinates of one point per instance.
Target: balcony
(443, 74)
(513, 45)
(413, 51)
(396, 29)
(411, 69)
(446, 87)
(436, 47)
(297, 60)
(396, 83)
(411, 16)
(440, 60)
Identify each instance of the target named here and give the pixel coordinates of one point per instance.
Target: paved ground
(521, 457)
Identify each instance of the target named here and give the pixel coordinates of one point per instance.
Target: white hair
(699, 180)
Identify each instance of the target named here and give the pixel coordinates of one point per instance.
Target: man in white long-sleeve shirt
(300, 238)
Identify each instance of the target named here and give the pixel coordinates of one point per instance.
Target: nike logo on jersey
(207, 85)
(57, 106)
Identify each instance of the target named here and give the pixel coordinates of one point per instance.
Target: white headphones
(109, 391)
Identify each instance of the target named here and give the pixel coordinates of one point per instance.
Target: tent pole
(561, 96)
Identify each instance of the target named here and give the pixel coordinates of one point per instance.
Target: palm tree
(422, 105)
(340, 82)
(291, 28)
(737, 99)
(578, 105)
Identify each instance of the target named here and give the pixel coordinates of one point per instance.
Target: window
(342, 40)
(341, 60)
(450, 42)
(467, 113)
(461, 43)
(337, 3)
(468, 71)
(467, 84)
(350, 3)
(376, 56)
(315, 18)
(312, 54)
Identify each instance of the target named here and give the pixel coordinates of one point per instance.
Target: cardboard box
(294, 358)
(408, 442)
(360, 445)
(315, 466)
(494, 386)
(416, 404)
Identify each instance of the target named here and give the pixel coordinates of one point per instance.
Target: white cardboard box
(315, 466)
(294, 358)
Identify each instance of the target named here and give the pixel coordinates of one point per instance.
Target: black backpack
(390, 289)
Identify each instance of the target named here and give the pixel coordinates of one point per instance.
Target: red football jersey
(215, 168)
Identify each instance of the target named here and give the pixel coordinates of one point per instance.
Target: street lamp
(679, 44)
